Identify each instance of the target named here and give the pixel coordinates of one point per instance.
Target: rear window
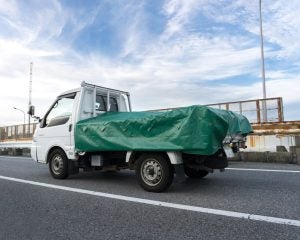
(102, 106)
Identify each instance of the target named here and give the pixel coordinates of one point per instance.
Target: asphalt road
(83, 211)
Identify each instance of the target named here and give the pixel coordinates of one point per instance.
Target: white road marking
(163, 204)
(263, 170)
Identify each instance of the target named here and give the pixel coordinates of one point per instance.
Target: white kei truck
(54, 143)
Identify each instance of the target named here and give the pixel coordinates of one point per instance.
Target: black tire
(194, 173)
(58, 164)
(154, 172)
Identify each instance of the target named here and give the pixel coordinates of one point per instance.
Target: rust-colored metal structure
(253, 109)
(289, 127)
(22, 132)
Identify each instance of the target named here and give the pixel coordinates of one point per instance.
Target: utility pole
(264, 105)
(30, 92)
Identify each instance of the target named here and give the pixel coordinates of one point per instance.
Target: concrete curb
(15, 152)
(269, 157)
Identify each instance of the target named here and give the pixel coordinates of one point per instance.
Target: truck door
(56, 127)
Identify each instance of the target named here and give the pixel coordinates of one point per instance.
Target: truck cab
(56, 129)
(54, 143)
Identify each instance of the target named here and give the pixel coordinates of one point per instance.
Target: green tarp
(195, 129)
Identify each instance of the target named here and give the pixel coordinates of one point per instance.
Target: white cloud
(179, 13)
(280, 21)
(179, 67)
(8, 8)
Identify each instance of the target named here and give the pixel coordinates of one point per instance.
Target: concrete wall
(15, 152)
(293, 156)
(278, 148)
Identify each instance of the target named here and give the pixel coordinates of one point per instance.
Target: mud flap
(73, 167)
(179, 171)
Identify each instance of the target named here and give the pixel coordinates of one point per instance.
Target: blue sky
(166, 53)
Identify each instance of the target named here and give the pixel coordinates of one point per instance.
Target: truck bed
(195, 130)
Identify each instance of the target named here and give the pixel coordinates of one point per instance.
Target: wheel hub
(151, 172)
(57, 164)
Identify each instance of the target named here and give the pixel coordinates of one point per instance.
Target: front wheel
(194, 173)
(154, 172)
(58, 164)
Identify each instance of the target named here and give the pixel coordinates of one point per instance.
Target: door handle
(70, 127)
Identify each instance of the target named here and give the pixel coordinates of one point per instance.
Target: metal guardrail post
(15, 133)
(241, 109)
(258, 111)
(280, 110)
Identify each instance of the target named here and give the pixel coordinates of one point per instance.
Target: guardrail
(15, 148)
(17, 133)
(16, 140)
(15, 144)
(253, 109)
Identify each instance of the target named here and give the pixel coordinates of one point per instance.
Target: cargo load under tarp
(195, 129)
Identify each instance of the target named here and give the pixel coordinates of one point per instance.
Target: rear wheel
(154, 172)
(194, 173)
(58, 164)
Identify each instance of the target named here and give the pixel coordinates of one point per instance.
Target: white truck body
(54, 143)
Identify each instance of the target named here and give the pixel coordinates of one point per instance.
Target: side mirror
(31, 110)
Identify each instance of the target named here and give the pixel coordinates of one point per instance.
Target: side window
(60, 112)
(102, 106)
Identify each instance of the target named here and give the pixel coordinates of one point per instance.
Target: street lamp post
(264, 106)
(22, 112)
(30, 92)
